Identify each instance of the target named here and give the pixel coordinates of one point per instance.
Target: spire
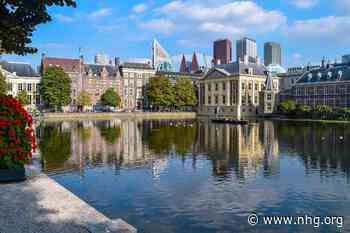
(269, 81)
(183, 66)
(195, 66)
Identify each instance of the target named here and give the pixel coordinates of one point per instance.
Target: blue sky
(306, 29)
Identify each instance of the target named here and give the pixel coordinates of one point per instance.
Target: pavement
(41, 205)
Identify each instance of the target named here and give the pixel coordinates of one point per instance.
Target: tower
(269, 96)
(222, 51)
(272, 53)
(183, 66)
(247, 50)
(195, 66)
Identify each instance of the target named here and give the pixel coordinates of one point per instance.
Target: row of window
(326, 90)
(29, 87)
(136, 75)
(245, 86)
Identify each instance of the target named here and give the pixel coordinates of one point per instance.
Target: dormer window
(329, 75)
(309, 76)
(319, 75)
(340, 74)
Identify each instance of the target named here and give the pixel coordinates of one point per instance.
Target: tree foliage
(84, 99)
(110, 98)
(184, 92)
(288, 107)
(160, 92)
(3, 85)
(303, 109)
(55, 87)
(323, 109)
(19, 20)
(23, 97)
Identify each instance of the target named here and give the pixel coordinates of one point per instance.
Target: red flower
(18, 122)
(12, 133)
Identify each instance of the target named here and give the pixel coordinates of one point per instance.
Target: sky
(306, 29)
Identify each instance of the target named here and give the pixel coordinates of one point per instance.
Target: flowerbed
(17, 139)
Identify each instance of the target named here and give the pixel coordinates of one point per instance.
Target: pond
(194, 176)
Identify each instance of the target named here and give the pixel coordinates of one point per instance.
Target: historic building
(135, 76)
(93, 78)
(22, 77)
(327, 85)
(236, 90)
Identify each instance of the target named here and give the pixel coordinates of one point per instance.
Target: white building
(135, 76)
(102, 59)
(247, 50)
(22, 77)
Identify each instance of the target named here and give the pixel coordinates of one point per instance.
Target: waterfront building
(236, 90)
(135, 76)
(247, 50)
(327, 85)
(272, 54)
(346, 58)
(93, 78)
(22, 77)
(222, 51)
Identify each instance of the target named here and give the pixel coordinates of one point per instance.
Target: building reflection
(240, 149)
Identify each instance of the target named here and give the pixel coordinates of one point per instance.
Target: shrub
(17, 140)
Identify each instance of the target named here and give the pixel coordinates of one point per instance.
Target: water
(194, 176)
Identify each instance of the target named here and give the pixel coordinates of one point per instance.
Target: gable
(215, 73)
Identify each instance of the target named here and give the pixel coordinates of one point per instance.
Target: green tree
(288, 107)
(84, 99)
(303, 109)
(160, 92)
(23, 97)
(3, 85)
(110, 98)
(19, 20)
(322, 110)
(184, 92)
(55, 87)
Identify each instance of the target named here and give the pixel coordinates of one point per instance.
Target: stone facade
(22, 77)
(327, 85)
(235, 90)
(135, 76)
(93, 78)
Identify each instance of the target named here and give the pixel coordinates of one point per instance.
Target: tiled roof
(69, 65)
(134, 65)
(21, 69)
(97, 69)
(338, 72)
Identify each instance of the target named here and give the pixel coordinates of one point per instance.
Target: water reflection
(195, 176)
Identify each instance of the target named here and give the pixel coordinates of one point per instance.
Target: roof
(21, 69)
(96, 69)
(330, 73)
(69, 65)
(134, 65)
(242, 68)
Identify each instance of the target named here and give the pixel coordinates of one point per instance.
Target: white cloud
(164, 26)
(64, 18)
(304, 4)
(101, 13)
(139, 8)
(297, 56)
(330, 30)
(238, 17)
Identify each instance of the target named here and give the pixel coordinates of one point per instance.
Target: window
(209, 87)
(250, 86)
(256, 86)
(256, 99)
(269, 96)
(243, 86)
(37, 99)
(20, 87)
(216, 86)
(209, 99)
(223, 99)
(223, 86)
(216, 99)
(29, 87)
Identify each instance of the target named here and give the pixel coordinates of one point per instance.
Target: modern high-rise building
(272, 53)
(345, 58)
(222, 51)
(247, 50)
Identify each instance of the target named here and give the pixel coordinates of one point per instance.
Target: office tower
(272, 53)
(222, 51)
(345, 58)
(247, 50)
(101, 59)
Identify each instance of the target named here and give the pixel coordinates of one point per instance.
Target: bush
(17, 141)
(287, 107)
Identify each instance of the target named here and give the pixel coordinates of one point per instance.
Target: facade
(247, 50)
(222, 51)
(22, 77)
(93, 78)
(346, 58)
(327, 85)
(235, 90)
(160, 57)
(135, 76)
(173, 76)
(272, 54)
